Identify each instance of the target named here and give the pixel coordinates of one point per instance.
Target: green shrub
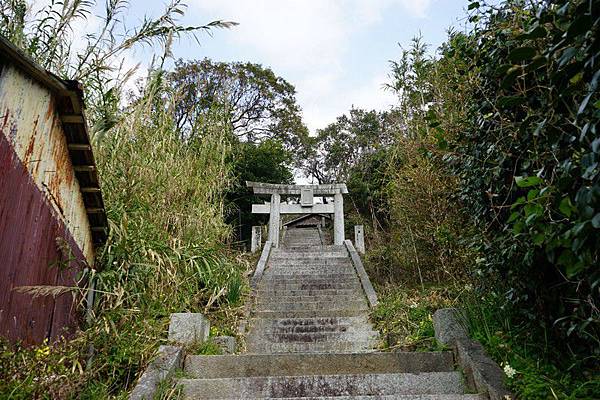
(528, 162)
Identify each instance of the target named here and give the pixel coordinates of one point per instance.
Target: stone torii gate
(306, 192)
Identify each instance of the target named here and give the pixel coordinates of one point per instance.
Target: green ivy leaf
(474, 5)
(537, 32)
(576, 78)
(528, 181)
(511, 76)
(503, 69)
(518, 227)
(596, 221)
(566, 258)
(511, 101)
(573, 269)
(521, 54)
(537, 62)
(538, 238)
(518, 202)
(513, 217)
(532, 194)
(566, 207)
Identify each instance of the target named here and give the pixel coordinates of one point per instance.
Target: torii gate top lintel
(306, 206)
(319, 190)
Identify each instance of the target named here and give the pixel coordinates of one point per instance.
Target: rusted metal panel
(36, 135)
(68, 98)
(29, 228)
(40, 203)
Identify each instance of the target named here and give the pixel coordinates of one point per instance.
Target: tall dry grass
(164, 200)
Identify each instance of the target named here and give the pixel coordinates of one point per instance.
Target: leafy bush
(425, 225)
(528, 161)
(504, 121)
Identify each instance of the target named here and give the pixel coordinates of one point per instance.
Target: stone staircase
(310, 338)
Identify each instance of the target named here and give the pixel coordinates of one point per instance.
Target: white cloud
(319, 111)
(306, 41)
(372, 11)
(292, 34)
(417, 8)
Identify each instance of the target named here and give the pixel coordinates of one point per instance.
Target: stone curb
(262, 263)
(168, 359)
(362, 274)
(482, 373)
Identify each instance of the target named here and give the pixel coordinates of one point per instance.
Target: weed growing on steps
(403, 316)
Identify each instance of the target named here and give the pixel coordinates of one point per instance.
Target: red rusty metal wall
(30, 256)
(40, 207)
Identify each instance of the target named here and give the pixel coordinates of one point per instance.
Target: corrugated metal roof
(70, 107)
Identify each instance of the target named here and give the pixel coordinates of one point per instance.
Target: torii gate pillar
(338, 219)
(274, 219)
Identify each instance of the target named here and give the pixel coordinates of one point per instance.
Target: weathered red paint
(44, 197)
(30, 256)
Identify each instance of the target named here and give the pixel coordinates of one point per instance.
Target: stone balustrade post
(256, 240)
(359, 238)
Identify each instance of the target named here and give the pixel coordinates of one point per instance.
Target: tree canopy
(259, 104)
(341, 145)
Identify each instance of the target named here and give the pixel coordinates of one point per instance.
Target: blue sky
(335, 52)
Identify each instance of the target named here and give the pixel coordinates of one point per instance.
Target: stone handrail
(362, 274)
(262, 263)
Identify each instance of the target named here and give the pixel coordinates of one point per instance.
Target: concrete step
(315, 337)
(304, 284)
(311, 273)
(312, 329)
(269, 292)
(309, 270)
(274, 274)
(274, 326)
(298, 255)
(310, 261)
(248, 365)
(306, 325)
(399, 397)
(387, 397)
(267, 347)
(308, 264)
(354, 295)
(358, 304)
(318, 334)
(309, 279)
(308, 253)
(324, 385)
(285, 322)
(326, 313)
(320, 285)
(297, 247)
(308, 284)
